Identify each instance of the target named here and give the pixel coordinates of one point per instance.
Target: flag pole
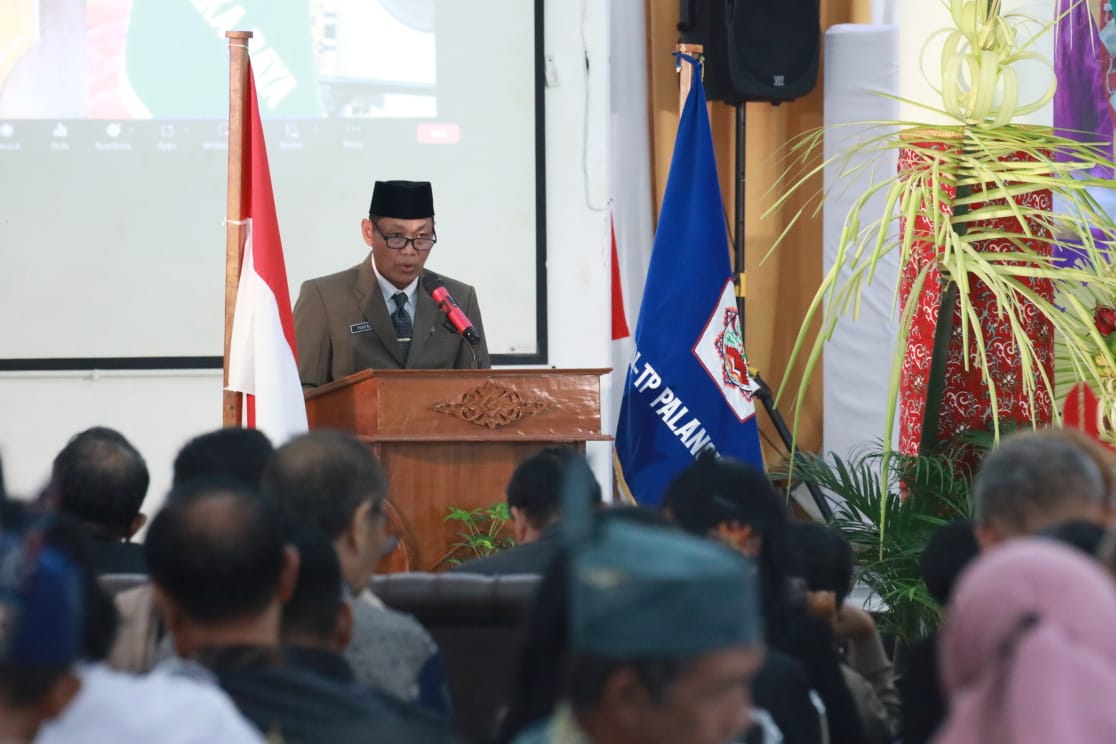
(232, 403)
(686, 74)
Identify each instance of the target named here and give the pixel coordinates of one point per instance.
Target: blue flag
(688, 386)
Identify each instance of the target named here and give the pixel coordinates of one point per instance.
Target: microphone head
(440, 294)
(432, 282)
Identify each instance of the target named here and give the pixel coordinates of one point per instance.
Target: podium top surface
(521, 404)
(503, 372)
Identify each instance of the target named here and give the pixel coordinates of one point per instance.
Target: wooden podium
(451, 438)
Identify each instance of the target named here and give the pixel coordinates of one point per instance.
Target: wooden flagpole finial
(232, 404)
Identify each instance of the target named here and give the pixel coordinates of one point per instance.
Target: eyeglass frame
(412, 241)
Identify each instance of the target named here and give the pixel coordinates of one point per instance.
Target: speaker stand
(764, 392)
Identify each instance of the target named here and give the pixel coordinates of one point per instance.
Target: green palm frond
(888, 532)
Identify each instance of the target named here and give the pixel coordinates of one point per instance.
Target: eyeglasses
(399, 242)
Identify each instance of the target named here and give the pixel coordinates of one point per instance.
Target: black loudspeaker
(755, 50)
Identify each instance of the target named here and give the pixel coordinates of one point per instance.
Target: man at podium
(380, 314)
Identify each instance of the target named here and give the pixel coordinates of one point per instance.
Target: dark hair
(217, 548)
(3, 490)
(536, 485)
(950, 549)
(822, 556)
(587, 675)
(231, 452)
(319, 479)
(716, 490)
(25, 686)
(100, 479)
(313, 608)
(1085, 536)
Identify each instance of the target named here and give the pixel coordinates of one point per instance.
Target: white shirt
(390, 289)
(176, 703)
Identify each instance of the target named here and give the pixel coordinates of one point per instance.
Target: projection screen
(113, 161)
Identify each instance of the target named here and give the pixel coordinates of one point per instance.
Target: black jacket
(307, 702)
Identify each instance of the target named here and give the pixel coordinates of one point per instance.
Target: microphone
(444, 300)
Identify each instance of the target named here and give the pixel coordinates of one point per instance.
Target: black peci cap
(405, 200)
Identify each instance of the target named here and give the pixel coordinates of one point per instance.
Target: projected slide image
(114, 127)
(141, 59)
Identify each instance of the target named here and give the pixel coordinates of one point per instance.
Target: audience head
(230, 452)
(41, 628)
(823, 558)
(219, 565)
(1027, 650)
(545, 647)
(317, 615)
(1034, 480)
(332, 481)
(534, 491)
(664, 636)
(949, 551)
(734, 502)
(100, 480)
(1101, 455)
(727, 499)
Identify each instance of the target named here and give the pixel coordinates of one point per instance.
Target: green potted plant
(888, 533)
(481, 533)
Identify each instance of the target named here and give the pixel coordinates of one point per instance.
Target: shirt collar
(390, 289)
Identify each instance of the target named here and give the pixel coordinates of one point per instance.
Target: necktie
(401, 319)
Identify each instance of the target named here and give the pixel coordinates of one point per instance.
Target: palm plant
(889, 533)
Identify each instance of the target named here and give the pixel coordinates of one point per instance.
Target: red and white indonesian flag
(262, 354)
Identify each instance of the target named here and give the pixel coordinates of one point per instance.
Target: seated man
(229, 452)
(1034, 480)
(823, 558)
(100, 480)
(734, 503)
(533, 500)
(664, 639)
(331, 481)
(123, 708)
(317, 620)
(221, 571)
(41, 606)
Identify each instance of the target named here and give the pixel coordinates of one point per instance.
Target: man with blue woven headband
(665, 637)
(41, 614)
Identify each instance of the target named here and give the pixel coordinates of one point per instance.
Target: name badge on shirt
(360, 327)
